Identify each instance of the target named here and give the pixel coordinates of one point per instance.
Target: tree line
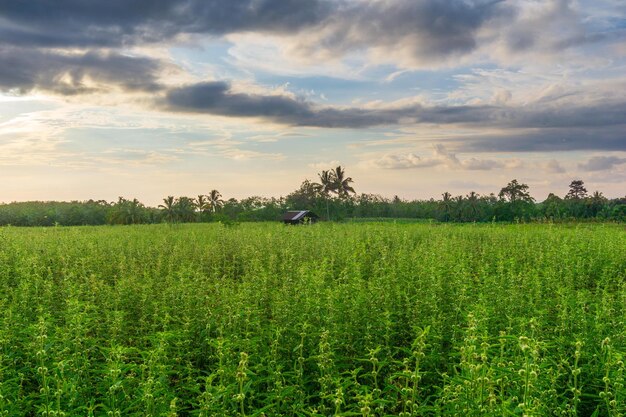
(332, 197)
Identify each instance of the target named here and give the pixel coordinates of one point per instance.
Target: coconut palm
(201, 203)
(326, 184)
(341, 183)
(170, 210)
(595, 203)
(214, 201)
(127, 211)
(325, 187)
(446, 205)
(135, 209)
(185, 209)
(473, 202)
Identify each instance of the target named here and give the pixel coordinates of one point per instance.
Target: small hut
(300, 217)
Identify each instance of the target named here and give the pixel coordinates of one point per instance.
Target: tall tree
(577, 190)
(201, 203)
(325, 187)
(215, 201)
(127, 212)
(515, 202)
(185, 209)
(305, 197)
(515, 191)
(446, 205)
(341, 183)
(473, 202)
(552, 207)
(168, 207)
(596, 203)
(326, 184)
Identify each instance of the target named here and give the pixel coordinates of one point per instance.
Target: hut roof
(295, 215)
(298, 215)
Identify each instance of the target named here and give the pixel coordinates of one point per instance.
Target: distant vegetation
(334, 198)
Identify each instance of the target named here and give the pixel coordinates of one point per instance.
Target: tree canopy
(335, 196)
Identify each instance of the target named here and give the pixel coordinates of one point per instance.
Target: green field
(332, 319)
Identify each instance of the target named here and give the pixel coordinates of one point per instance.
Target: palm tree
(214, 201)
(446, 205)
(472, 203)
(341, 183)
(170, 210)
(595, 203)
(185, 209)
(326, 184)
(201, 203)
(127, 211)
(325, 187)
(134, 210)
(458, 208)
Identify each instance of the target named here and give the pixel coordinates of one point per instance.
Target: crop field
(366, 319)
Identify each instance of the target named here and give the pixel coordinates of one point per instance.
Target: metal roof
(295, 215)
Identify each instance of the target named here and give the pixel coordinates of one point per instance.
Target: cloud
(23, 70)
(424, 31)
(553, 167)
(540, 127)
(72, 47)
(606, 138)
(601, 163)
(230, 148)
(441, 157)
(434, 33)
(114, 23)
(474, 164)
(406, 161)
(414, 32)
(218, 98)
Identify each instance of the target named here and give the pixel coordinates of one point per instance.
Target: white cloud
(441, 157)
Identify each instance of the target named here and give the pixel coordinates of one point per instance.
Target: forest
(332, 198)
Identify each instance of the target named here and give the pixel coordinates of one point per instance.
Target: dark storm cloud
(27, 69)
(61, 23)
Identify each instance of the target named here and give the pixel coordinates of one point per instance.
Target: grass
(332, 319)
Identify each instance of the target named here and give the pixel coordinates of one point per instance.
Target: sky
(150, 98)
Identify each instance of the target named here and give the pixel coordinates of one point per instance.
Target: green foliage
(128, 212)
(332, 199)
(375, 319)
